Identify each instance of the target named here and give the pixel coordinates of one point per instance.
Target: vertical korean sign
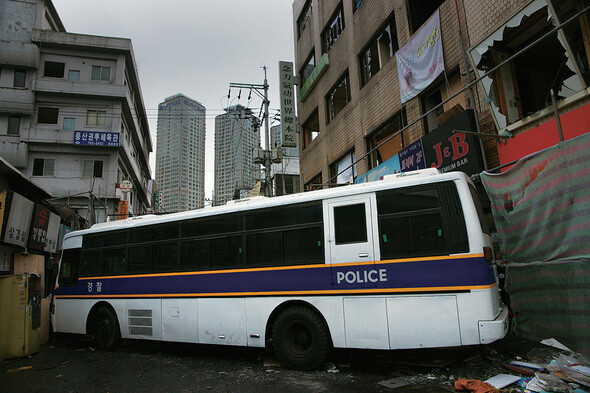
(288, 128)
(421, 60)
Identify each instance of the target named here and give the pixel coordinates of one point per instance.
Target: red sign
(38, 234)
(573, 124)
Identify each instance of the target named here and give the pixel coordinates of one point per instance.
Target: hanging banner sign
(96, 138)
(421, 60)
(288, 129)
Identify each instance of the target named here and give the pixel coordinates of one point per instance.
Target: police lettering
(361, 277)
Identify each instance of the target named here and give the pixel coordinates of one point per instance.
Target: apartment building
(72, 116)
(360, 84)
(236, 134)
(180, 154)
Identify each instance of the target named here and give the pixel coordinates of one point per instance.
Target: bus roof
(425, 176)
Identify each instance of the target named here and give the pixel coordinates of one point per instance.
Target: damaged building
(388, 86)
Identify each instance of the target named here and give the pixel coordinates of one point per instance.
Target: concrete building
(180, 154)
(349, 100)
(285, 176)
(72, 116)
(236, 134)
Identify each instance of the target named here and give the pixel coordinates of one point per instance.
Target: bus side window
(70, 262)
(350, 224)
(115, 261)
(91, 263)
(139, 259)
(410, 223)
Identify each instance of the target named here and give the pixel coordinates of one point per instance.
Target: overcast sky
(193, 47)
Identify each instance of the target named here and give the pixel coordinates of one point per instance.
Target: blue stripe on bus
(435, 273)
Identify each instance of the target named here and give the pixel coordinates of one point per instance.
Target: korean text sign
(421, 60)
(96, 138)
(288, 127)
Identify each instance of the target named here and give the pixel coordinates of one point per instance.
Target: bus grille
(140, 322)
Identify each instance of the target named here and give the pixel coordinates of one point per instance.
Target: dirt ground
(70, 363)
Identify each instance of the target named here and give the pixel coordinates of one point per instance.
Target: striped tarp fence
(541, 209)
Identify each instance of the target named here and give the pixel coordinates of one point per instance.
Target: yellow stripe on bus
(262, 269)
(285, 293)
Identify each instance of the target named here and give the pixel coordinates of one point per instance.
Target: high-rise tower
(236, 135)
(180, 154)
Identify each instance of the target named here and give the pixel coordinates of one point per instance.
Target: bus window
(349, 224)
(303, 246)
(165, 257)
(70, 261)
(114, 261)
(212, 226)
(139, 259)
(226, 252)
(264, 249)
(195, 254)
(91, 264)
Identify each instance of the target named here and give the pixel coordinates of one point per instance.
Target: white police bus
(405, 262)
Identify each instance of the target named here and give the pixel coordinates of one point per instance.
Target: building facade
(351, 106)
(237, 132)
(285, 176)
(72, 116)
(180, 154)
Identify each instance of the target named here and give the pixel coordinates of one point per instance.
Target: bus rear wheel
(106, 331)
(300, 338)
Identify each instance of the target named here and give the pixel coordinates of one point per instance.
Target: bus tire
(300, 338)
(106, 331)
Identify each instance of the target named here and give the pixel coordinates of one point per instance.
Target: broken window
(343, 171)
(392, 146)
(311, 129)
(419, 11)
(333, 30)
(523, 86)
(54, 69)
(438, 94)
(304, 19)
(378, 52)
(577, 33)
(338, 97)
(307, 68)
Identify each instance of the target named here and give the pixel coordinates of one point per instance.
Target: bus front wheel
(300, 338)
(106, 331)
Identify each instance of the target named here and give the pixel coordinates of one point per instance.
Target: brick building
(349, 99)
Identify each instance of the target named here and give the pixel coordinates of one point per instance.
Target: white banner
(288, 128)
(421, 60)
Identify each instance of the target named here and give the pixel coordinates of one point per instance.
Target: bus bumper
(490, 331)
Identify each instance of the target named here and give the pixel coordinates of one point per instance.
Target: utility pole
(264, 158)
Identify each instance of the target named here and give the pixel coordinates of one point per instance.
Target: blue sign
(96, 138)
(411, 158)
(389, 167)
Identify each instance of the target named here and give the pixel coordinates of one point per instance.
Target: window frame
(97, 167)
(43, 167)
(372, 142)
(98, 116)
(101, 73)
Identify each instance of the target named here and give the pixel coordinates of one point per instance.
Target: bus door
(349, 230)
